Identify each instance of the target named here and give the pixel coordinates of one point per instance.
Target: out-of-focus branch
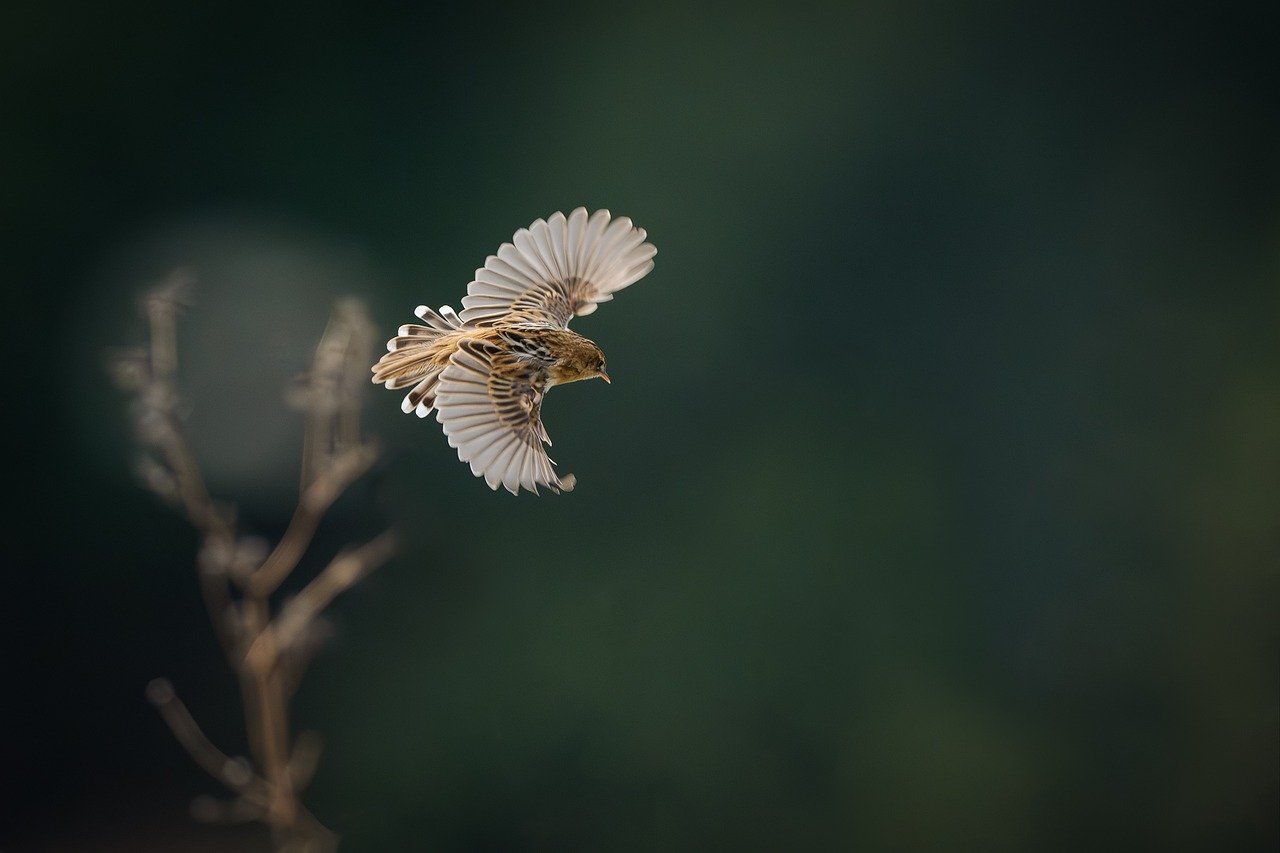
(328, 484)
(301, 611)
(305, 759)
(235, 773)
(332, 394)
(238, 575)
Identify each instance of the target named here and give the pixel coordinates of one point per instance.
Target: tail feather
(422, 399)
(416, 356)
(446, 320)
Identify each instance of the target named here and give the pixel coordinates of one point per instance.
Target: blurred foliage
(935, 503)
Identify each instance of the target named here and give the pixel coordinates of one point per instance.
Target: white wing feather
(493, 420)
(557, 269)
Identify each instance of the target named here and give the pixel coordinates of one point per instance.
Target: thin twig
(235, 773)
(315, 502)
(341, 574)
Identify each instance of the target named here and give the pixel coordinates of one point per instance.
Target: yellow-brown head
(578, 358)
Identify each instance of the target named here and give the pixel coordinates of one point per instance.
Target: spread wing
(558, 269)
(489, 403)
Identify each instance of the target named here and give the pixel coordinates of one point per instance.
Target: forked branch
(268, 648)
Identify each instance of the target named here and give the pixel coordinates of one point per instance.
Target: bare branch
(208, 809)
(235, 773)
(332, 394)
(297, 656)
(346, 569)
(163, 305)
(305, 759)
(315, 501)
(239, 574)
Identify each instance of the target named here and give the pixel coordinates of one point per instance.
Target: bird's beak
(605, 377)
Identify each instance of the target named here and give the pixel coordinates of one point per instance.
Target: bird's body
(557, 356)
(486, 371)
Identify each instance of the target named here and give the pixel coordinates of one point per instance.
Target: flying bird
(485, 371)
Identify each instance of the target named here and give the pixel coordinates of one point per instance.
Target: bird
(486, 370)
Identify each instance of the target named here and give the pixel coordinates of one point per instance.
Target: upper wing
(558, 269)
(489, 403)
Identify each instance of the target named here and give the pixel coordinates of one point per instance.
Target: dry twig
(268, 649)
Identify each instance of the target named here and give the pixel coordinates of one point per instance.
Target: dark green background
(935, 504)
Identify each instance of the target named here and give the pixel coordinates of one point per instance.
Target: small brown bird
(486, 371)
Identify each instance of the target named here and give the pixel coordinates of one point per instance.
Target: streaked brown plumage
(486, 371)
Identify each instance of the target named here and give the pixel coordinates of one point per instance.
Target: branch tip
(160, 691)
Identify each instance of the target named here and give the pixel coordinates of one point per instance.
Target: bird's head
(582, 360)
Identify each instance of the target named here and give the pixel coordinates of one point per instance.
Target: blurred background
(935, 504)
